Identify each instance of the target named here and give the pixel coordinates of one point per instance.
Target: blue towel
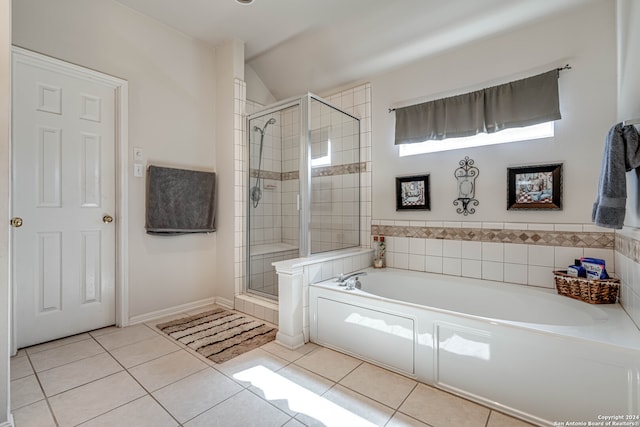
(621, 154)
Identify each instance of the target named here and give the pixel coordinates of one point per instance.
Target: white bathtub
(525, 351)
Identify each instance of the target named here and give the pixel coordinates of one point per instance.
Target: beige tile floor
(137, 376)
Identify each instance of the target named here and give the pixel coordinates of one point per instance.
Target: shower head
(271, 121)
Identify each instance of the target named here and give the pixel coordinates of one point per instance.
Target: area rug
(219, 334)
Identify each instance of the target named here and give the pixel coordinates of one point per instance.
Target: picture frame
(534, 187)
(413, 193)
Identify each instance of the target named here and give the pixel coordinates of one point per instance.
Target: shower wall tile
(627, 260)
(564, 257)
(452, 248)
(541, 256)
(417, 246)
(540, 227)
(493, 225)
(492, 251)
(401, 260)
(433, 264)
(452, 266)
(434, 247)
(471, 250)
(516, 253)
(515, 273)
(471, 268)
(417, 262)
(493, 270)
(401, 245)
(568, 227)
(540, 276)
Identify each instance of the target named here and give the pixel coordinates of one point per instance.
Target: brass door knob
(16, 222)
(107, 219)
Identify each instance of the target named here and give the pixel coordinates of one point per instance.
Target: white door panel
(63, 163)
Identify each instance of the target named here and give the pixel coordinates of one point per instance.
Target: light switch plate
(138, 153)
(138, 170)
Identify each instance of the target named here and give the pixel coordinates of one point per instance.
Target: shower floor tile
(137, 376)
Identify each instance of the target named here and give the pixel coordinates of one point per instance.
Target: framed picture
(412, 192)
(535, 187)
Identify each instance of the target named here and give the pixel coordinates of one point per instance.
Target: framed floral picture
(535, 187)
(412, 192)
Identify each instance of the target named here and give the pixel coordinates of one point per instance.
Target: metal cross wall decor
(466, 175)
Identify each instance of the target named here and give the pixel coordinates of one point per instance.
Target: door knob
(16, 222)
(107, 219)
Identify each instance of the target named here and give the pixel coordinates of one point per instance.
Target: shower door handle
(298, 201)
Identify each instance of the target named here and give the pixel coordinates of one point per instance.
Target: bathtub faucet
(343, 278)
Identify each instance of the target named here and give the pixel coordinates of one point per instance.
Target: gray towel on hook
(621, 154)
(180, 201)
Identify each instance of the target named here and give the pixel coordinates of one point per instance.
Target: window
(542, 130)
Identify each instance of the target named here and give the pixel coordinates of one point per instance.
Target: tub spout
(353, 283)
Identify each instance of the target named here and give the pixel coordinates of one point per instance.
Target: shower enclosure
(304, 185)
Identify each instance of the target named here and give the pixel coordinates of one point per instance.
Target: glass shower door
(273, 220)
(334, 147)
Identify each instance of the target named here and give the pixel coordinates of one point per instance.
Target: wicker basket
(603, 291)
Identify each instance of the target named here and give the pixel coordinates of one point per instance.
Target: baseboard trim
(224, 302)
(158, 314)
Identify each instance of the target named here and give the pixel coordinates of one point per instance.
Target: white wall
(171, 117)
(5, 120)
(256, 90)
(584, 38)
(230, 66)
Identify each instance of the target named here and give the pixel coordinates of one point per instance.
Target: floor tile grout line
(125, 404)
(137, 382)
(269, 402)
(46, 398)
(396, 411)
(372, 398)
(73, 361)
(208, 409)
(69, 363)
(31, 353)
(148, 393)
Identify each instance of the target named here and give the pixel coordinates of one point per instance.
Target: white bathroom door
(63, 201)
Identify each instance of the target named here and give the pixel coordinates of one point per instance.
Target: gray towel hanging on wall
(180, 201)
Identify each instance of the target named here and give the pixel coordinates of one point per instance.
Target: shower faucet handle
(341, 277)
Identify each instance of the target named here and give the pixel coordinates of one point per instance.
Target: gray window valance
(519, 103)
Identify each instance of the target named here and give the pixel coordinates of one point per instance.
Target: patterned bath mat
(219, 334)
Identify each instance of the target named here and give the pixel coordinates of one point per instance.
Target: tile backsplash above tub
(507, 252)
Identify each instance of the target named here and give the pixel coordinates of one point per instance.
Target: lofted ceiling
(297, 46)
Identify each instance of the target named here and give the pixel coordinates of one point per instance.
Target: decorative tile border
(628, 247)
(528, 237)
(350, 168)
(345, 169)
(276, 176)
(288, 176)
